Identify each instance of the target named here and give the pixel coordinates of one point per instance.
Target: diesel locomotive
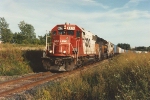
(70, 46)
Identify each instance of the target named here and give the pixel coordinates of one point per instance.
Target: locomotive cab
(63, 40)
(62, 47)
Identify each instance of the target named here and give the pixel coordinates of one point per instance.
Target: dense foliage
(127, 47)
(124, 46)
(125, 77)
(142, 48)
(20, 59)
(26, 36)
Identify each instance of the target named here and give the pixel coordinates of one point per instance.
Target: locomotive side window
(77, 33)
(70, 32)
(54, 33)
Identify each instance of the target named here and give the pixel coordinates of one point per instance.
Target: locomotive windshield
(70, 32)
(66, 30)
(61, 32)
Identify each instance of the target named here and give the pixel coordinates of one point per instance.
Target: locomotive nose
(61, 44)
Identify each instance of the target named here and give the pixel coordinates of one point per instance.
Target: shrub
(19, 60)
(126, 76)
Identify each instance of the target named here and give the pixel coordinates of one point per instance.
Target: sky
(117, 21)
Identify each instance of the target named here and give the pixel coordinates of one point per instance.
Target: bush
(126, 77)
(19, 60)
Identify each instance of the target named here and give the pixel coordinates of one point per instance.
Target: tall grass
(125, 77)
(15, 60)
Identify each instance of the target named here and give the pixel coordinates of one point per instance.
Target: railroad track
(23, 83)
(11, 87)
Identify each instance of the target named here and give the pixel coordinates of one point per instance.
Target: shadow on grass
(34, 59)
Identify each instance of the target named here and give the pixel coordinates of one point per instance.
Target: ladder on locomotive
(48, 41)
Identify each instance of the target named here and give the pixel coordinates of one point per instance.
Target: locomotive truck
(71, 46)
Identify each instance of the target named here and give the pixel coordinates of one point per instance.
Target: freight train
(71, 46)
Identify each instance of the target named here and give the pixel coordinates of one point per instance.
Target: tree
(42, 39)
(3, 23)
(18, 38)
(148, 48)
(5, 32)
(141, 48)
(124, 46)
(6, 35)
(27, 30)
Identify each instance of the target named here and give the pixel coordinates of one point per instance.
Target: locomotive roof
(100, 39)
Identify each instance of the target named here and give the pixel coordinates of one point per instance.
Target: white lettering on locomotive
(64, 41)
(56, 40)
(71, 28)
(60, 41)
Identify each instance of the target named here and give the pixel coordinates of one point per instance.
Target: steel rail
(23, 78)
(43, 80)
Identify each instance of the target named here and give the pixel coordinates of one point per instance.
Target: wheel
(46, 64)
(69, 66)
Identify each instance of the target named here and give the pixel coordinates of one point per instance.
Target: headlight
(64, 51)
(50, 51)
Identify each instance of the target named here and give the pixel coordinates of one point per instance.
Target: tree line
(25, 36)
(142, 48)
(124, 46)
(127, 47)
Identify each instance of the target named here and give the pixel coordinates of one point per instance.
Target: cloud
(91, 3)
(134, 2)
(131, 4)
(117, 25)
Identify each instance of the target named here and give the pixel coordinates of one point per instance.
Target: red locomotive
(71, 46)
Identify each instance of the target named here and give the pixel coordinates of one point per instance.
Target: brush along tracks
(11, 87)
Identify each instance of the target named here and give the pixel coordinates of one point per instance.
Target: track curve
(28, 82)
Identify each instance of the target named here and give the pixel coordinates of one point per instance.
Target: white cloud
(118, 27)
(128, 5)
(92, 3)
(89, 0)
(132, 3)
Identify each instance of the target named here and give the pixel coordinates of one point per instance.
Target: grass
(19, 60)
(126, 77)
